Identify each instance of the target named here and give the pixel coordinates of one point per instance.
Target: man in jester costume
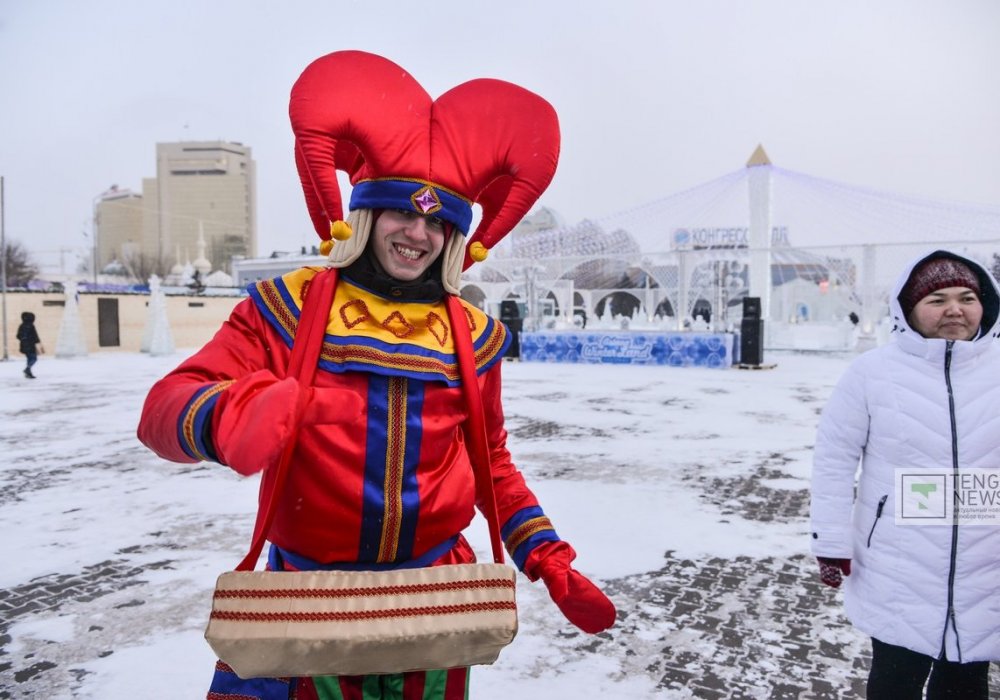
(381, 476)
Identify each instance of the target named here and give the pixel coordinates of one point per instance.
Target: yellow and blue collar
(369, 333)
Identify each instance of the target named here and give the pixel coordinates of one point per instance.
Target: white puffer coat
(934, 589)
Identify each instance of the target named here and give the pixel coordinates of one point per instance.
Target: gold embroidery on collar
(397, 324)
(355, 308)
(437, 327)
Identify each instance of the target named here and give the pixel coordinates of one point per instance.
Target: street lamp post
(3, 270)
(93, 235)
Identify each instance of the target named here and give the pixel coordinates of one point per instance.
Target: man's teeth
(408, 253)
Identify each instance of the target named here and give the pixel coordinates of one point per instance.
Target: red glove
(580, 601)
(255, 417)
(830, 570)
(253, 420)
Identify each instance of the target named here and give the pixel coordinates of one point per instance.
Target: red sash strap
(475, 424)
(301, 365)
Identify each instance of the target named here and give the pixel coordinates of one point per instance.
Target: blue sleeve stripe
(193, 419)
(521, 552)
(520, 518)
(524, 531)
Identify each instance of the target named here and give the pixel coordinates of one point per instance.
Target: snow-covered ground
(683, 490)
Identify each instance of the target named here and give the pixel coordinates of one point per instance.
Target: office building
(201, 188)
(118, 223)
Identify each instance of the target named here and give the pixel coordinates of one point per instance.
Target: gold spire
(759, 157)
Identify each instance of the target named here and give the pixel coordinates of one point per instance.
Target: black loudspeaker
(510, 314)
(751, 341)
(751, 308)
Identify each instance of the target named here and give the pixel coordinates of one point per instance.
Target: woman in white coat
(920, 415)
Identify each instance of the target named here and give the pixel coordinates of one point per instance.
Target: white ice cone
(157, 338)
(147, 331)
(71, 342)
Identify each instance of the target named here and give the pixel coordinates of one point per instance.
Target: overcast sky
(653, 97)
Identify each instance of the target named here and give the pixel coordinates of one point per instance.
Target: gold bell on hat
(478, 252)
(339, 231)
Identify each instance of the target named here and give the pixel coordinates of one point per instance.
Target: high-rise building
(201, 188)
(118, 223)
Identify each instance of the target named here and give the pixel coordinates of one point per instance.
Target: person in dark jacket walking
(31, 344)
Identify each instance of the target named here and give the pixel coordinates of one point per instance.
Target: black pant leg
(897, 673)
(954, 681)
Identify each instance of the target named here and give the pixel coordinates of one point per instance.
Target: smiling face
(952, 313)
(406, 244)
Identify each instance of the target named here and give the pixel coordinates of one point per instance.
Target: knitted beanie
(935, 274)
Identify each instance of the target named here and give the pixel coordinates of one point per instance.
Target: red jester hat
(485, 142)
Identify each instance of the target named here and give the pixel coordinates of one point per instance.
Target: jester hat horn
(485, 142)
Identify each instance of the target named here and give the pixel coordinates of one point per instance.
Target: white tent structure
(693, 256)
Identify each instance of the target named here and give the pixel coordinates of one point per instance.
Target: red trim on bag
(350, 616)
(364, 591)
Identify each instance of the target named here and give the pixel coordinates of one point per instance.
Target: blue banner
(714, 350)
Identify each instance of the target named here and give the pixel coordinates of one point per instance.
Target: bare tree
(142, 266)
(223, 249)
(18, 265)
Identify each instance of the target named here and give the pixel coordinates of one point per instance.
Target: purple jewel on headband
(426, 200)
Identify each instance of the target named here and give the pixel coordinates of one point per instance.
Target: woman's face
(952, 313)
(406, 243)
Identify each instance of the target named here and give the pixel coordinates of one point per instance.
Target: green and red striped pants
(450, 684)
